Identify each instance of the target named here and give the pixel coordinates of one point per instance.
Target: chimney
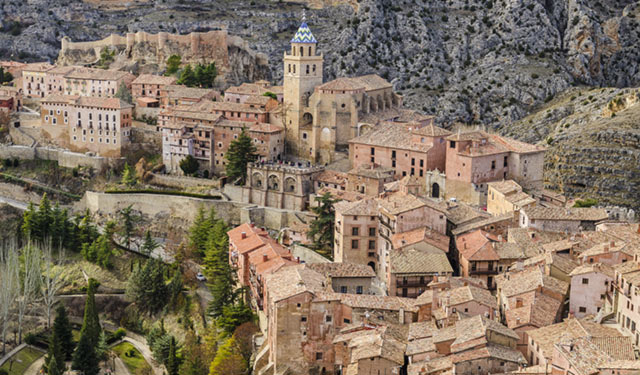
(466, 283)
(244, 235)
(265, 257)
(613, 244)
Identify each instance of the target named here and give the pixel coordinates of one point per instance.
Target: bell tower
(302, 73)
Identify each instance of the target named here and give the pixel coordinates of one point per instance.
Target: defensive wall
(64, 158)
(184, 208)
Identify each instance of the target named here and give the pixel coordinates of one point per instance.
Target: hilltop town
(161, 222)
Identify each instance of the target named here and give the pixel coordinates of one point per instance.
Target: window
(582, 309)
(359, 289)
(473, 266)
(343, 289)
(372, 245)
(585, 281)
(413, 161)
(372, 232)
(373, 151)
(493, 164)
(393, 154)
(318, 354)
(452, 144)
(354, 231)
(354, 244)
(303, 318)
(347, 321)
(505, 162)
(328, 318)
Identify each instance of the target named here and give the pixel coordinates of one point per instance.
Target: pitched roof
(461, 214)
(606, 247)
(290, 281)
(332, 177)
(398, 202)
(422, 345)
(602, 268)
(372, 302)
(562, 262)
(559, 213)
(423, 234)
(113, 103)
(377, 172)
(304, 35)
(492, 144)
(471, 330)
(391, 136)
(366, 207)
(97, 74)
(589, 356)
(540, 313)
(432, 131)
(515, 283)
(152, 79)
(470, 293)
(343, 269)
(477, 246)
(419, 258)
(490, 351)
(425, 298)
(420, 330)
(253, 89)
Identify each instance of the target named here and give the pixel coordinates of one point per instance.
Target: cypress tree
(63, 333)
(241, 152)
(322, 226)
(84, 358)
(53, 365)
(173, 364)
(91, 323)
(149, 244)
(219, 272)
(147, 288)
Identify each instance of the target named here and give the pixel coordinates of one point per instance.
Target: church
(320, 118)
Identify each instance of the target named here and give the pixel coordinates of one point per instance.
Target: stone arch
(372, 265)
(435, 190)
(273, 183)
(256, 180)
(325, 135)
(307, 118)
(290, 185)
(364, 129)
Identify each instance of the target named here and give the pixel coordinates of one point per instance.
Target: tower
(302, 73)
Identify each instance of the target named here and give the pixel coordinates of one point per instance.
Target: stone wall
(64, 158)
(183, 181)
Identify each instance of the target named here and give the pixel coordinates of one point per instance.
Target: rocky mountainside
(593, 141)
(489, 62)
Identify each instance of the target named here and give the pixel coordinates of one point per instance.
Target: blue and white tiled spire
(304, 35)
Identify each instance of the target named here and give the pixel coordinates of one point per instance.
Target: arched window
(309, 50)
(314, 68)
(289, 68)
(301, 51)
(307, 69)
(294, 69)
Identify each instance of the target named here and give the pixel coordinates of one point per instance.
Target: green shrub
(30, 339)
(163, 192)
(589, 202)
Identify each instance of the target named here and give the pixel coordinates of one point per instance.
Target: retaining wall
(183, 181)
(64, 158)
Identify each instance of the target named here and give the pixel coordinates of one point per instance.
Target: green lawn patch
(131, 357)
(22, 361)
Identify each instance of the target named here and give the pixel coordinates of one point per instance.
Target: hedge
(164, 192)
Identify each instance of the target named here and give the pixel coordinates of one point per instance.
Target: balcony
(413, 284)
(483, 271)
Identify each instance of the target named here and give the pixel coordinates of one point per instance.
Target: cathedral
(320, 118)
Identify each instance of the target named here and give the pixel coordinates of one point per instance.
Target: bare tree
(9, 280)
(50, 279)
(28, 285)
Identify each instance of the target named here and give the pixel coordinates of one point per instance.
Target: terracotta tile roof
(584, 269)
(425, 298)
(432, 131)
(508, 251)
(473, 330)
(343, 269)
(37, 67)
(490, 351)
(420, 330)
(505, 186)
(588, 357)
(570, 214)
(264, 128)
(254, 237)
(606, 247)
(152, 79)
(468, 293)
(63, 69)
(377, 345)
(399, 202)
(59, 98)
(373, 172)
(254, 89)
(462, 214)
(332, 177)
(559, 245)
(366, 207)
(350, 196)
(476, 246)
(477, 224)
(419, 259)
(560, 261)
(95, 102)
(436, 365)
(98, 74)
(290, 281)
(180, 92)
(372, 302)
(540, 313)
(515, 283)
(449, 282)
(418, 346)
(391, 136)
(233, 107)
(619, 348)
(424, 234)
(369, 82)
(546, 337)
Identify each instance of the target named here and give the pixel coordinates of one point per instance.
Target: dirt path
(35, 367)
(143, 348)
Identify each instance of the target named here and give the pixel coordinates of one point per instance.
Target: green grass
(134, 362)
(22, 361)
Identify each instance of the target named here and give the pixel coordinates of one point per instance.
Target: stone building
(627, 283)
(10, 98)
(559, 219)
(95, 82)
(369, 179)
(413, 267)
(589, 355)
(356, 232)
(246, 91)
(150, 86)
(175, 95)
(473, 159)
(34, 79)
(591, 289)
(285, 186)
(322, 118)
(507, 196)
(81, 124)
(347, 277)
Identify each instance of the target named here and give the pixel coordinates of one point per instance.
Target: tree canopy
(189, 165)
(322, 226)
(241, 152)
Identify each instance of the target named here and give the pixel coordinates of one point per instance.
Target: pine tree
(63, 333)
(189, 165)
(29, 220)
(149, 244)
(241, 152)
(128, 221)
(51, 364)
(195, 358)
(173, 64)
(173, 364)
(84, 358)
(218, 270)
(200, 230)
(124, 93)
(91, 322)
(233, 316)
(322, 226)
(187, 77)
(129, 177)
(147, 288)
(55, 366)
